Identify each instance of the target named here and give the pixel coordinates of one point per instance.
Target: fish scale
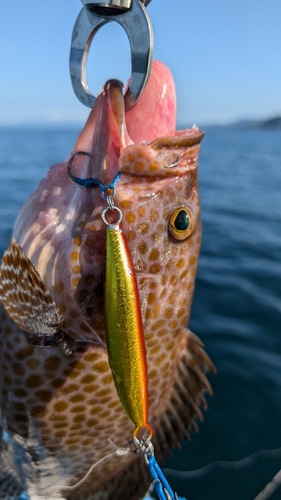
(63, 409)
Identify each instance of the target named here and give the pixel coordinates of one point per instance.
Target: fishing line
(89, 182)
(119, 451)
(160, 483)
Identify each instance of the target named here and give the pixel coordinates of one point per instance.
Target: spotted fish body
(59, 410)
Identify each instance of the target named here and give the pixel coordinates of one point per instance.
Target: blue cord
(159, 480)
(90, 182)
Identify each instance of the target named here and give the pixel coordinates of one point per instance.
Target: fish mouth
(111, 133)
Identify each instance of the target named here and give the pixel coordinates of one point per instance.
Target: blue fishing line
(159, 481)
(89, 182)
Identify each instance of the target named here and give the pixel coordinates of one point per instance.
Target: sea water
(237, 302)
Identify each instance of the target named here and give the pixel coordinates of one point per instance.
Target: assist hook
(132, 16)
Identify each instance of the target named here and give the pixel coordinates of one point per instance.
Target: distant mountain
(272, 123)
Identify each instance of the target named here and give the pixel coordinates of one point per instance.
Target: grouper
(60, 409)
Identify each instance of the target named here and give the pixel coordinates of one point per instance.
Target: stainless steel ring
(138, 28)
(108, 224)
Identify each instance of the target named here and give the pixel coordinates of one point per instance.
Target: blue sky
(225, 57)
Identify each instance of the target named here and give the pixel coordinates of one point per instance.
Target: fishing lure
(123, 326)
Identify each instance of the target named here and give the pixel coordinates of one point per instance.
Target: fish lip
(182, 139)
(164, 157)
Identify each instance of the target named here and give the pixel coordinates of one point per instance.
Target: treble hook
(133, 18)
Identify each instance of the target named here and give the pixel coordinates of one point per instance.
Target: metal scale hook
(132, 16)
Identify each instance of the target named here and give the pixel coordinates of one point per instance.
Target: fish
(61, 416)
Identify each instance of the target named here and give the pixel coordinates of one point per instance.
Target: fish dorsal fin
(25, 295)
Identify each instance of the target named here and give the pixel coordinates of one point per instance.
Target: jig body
(123, 327)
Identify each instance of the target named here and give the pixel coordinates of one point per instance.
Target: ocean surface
(237, 302)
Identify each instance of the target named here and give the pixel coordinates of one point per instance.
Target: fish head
(60, 227)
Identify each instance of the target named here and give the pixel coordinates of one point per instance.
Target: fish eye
(182, 223)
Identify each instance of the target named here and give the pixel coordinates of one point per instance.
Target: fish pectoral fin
(187, 398)
(31, 306)
(26, 298)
